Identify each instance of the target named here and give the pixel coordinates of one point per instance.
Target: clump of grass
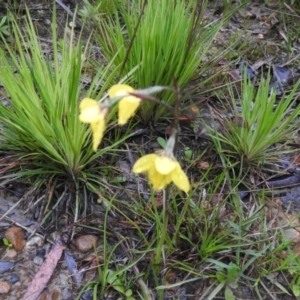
(262, 123)
(40, 125)
(165, 43)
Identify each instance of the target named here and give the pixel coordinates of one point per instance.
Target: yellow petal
(164, 164)
(98, 129)
(127, 108)
(159, 181)
(180, 179)
(119, 90)
(90, 110)
(144, 163)
(89, 115)
(87, 103)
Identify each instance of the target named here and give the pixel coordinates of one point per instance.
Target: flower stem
(162, 231)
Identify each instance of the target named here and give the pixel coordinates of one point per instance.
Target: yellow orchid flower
(92, 113)
(127, 105)
(162, 170)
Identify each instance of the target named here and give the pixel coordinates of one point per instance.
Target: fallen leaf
(72, 268)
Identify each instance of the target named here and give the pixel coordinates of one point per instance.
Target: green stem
(162, 231)
(176, 116)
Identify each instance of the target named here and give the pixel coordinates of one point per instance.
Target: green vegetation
(6, 243)
(261, 124)
(159, 55)
(4, 25)
(195, 231)
(41, 129)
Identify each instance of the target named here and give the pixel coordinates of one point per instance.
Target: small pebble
(88, 295)
(55, 294)
(38, 260)
(15, 235)
(41, 252)
(47, 22)
(10, 254)
(36, 240)
(13, 278)
(4, 287)
(261, 36)
(6, 265)
(85, 243)
(43, 296)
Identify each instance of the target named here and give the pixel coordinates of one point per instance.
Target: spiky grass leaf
(265, 121)
(41, 120)
(40, 124)
(170, 42)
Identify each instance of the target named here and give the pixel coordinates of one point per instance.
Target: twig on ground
(41, 278)
(69, 12)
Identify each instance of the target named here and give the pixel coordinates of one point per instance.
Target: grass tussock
(260, 124)
(163, 44)
(41, 129)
